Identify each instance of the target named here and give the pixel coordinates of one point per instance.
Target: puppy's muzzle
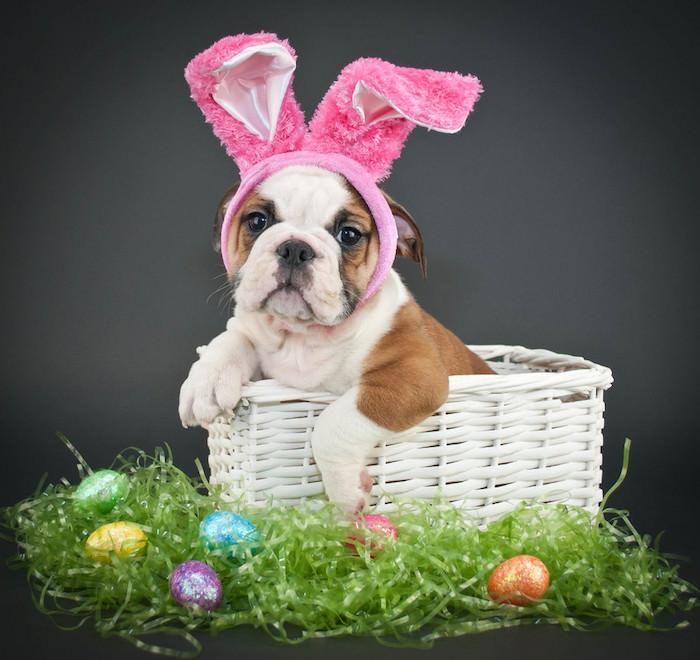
(295, 253)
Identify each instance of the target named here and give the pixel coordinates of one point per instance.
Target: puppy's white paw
(209, 390)
(347, 487)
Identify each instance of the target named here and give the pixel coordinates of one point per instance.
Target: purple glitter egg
(196, 584)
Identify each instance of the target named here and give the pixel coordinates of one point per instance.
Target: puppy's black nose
(295, 253)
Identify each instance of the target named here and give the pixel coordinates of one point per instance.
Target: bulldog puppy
(304, 246)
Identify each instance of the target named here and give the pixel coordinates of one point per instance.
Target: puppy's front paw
(210, 390)
(347, 487)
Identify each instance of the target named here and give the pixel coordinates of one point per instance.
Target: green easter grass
(305, 582)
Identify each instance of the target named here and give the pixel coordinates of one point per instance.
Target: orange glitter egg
(519, 580)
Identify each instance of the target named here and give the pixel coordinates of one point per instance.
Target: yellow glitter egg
(519, 580)
(123, 538)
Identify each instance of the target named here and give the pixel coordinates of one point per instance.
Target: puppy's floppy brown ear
(410, 243)
(220, 213)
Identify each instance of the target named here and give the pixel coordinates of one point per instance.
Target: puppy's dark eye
(257, 221)
(348, 235)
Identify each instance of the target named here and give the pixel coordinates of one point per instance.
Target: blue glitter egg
(229, 532)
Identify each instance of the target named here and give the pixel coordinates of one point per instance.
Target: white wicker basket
(532, 432)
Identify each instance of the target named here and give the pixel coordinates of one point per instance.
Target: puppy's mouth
(287, 301)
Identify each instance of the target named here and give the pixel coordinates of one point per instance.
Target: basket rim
(578, 373)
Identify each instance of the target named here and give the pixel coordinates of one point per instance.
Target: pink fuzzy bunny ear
(371, 108)
(243, 85)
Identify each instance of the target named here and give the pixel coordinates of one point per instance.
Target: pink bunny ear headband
(243, 85)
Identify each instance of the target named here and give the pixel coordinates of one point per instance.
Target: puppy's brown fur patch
(240, 240)
(221, 214)
(359, 263)
(405, 377)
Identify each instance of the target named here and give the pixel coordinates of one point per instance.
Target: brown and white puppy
(304, 246)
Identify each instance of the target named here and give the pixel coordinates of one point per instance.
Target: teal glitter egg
(101, 490)
(229, 532)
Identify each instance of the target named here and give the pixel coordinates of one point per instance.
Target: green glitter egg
(102, 490)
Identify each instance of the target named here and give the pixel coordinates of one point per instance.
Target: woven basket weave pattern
(532, 432)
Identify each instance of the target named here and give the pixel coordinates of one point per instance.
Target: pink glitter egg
(195, 584)
(378, 526)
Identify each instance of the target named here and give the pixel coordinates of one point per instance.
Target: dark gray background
(563, 216)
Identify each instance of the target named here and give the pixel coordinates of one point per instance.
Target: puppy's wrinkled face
(303, 247)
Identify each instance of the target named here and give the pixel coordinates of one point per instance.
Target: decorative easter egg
(231, 532)
(102, 490)
(195, 584)
(519, 580)
(378, 526)
(123, 538)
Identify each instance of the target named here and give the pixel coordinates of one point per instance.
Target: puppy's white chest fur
(328, 358)
(309, 363)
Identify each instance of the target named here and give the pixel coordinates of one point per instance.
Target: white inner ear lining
(252, 85)
(374, 107)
